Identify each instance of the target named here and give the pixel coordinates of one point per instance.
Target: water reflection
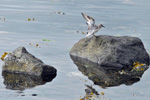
(20, 81)
(107, 77)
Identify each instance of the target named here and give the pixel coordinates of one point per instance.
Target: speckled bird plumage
(92, 28)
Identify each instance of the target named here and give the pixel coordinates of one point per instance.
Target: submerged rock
(21, 61)
(111, 51)
(109, 76)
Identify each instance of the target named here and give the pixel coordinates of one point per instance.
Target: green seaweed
(46, 40)
(86, 66)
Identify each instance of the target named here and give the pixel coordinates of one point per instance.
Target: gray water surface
(58, 21)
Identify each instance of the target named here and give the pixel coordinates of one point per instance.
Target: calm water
(58, 21)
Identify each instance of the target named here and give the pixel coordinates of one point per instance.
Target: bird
(92, 28)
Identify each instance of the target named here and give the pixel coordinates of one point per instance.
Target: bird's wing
(90, 20)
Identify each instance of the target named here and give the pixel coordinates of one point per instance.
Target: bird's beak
(103, 26)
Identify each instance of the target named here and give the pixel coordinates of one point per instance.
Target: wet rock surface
(21, 61)
(111, 51)
(109, 76)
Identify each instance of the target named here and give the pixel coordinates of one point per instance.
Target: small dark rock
(34, 94)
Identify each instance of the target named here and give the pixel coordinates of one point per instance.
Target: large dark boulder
(21, 61)
(111, 51)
